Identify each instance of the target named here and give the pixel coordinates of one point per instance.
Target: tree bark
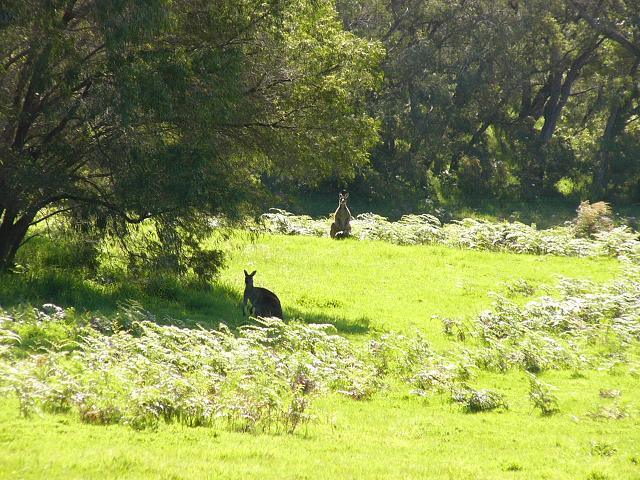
(618, 112)
(12, 233)
(603, 157)
(561, 90)
(606, 28)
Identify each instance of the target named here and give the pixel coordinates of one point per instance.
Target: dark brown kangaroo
(341, 228)
(259, 302)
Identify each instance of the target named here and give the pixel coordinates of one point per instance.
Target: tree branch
(606, 30)
(49, 215)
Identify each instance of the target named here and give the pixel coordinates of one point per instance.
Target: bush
(592, 219)
(138, 373)
(475, 401)
(480, 177)
(541, 396)
(602, 449)
(470, 234)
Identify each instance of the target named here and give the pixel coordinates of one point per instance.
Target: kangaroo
(264, 303)
(340, 228)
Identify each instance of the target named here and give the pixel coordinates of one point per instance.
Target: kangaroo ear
(252, 273)
(346, 195)
(246, 274)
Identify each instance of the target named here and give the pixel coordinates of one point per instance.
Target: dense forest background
(113, 112)
(505, 98)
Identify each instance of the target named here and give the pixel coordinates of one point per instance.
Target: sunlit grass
(393, 436)
(358, 286)
(361, 287)
(376, 285)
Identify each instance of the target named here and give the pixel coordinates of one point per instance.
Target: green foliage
(558, 333)
(202, 100)
(130, 370)
(388, 386)
(602, 449)
(542, 397)
(504, 99)
(473, 234)
(475, 401)
(565, 186)
(262, 379)
(165, 248)
(520, 287)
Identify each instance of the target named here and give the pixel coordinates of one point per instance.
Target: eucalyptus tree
(439, 66)
(172, 109)
(619, 143)
(556, 53)
(473, 84)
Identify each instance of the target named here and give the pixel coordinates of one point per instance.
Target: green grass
(360, 287)
(393, 436)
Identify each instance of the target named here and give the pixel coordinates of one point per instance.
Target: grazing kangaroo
(340, 228)
(264, 303)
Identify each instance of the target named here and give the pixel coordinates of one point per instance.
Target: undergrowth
(261, 378)
(568, 240)
(265, 377)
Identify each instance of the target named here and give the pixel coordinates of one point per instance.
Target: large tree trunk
(560, 91)
(12, 232)
(603, 157)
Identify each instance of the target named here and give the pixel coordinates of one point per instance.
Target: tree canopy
(507, 97)
(170, 108)
(122, 110)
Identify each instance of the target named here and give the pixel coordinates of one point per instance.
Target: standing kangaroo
(340, 228)
(264, 303)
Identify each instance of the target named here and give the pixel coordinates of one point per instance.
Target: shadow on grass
(169, 301)
(166, 300)
(358, 326)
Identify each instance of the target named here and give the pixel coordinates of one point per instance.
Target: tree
(619, 22)
(172, 108)
(479, 94)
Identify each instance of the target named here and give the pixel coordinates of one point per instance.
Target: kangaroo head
(342, 198)
(248, 278)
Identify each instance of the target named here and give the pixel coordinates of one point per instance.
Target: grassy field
(363, 288)
(393, 436)
(360, 286)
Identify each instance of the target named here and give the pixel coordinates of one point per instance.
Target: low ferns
(265, 377)
(542, 397)
(469, 233)
(262, 378)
